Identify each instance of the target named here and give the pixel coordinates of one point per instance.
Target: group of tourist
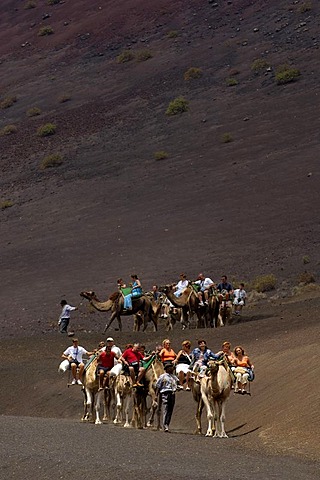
(179, 367)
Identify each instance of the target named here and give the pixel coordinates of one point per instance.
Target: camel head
(166, 288)
(89, 295)
(213, 366)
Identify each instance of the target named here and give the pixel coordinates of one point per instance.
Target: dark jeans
(64, 325)
(167, 400)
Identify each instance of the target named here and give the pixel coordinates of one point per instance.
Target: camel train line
(121, 401)
(147, 308)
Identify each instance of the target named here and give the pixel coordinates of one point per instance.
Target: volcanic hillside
(227, 186)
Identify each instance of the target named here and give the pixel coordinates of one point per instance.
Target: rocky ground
(244, 207)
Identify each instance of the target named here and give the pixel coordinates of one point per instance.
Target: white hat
(110, 339)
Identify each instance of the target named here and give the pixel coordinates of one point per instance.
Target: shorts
(105, 369)
(74, 361)
(182, 367)
(135, 365)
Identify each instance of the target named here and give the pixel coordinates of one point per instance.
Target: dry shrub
(286, 74)
(46, 130)
(231, 81)
(125, 56)
(47, 30)
(5, 204)
(143, 55)
(306, 277)
(51, 161)
(259, 64)
(33, 112)
(177, 106)
(192, 73)
(226, 138)
(8, 102)
(9, 130)
(173, 34)
(160, 155)
(30, 4)
(65, 97)
(264, 283)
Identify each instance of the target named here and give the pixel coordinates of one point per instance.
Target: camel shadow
(231, 435)
(236, 319)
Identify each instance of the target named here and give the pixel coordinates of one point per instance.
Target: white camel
(92, 397)
(123, 395)
(215, 391)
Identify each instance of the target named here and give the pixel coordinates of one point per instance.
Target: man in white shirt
(181, 285)
(64, 318)
(74, 354)
(116, 370)
(204, 284)
(239, 301)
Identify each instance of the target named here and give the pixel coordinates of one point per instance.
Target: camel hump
(113, 297)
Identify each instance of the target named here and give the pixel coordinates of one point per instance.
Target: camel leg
(97, 407)
(198, 416)
(209, 413)
(88, 405)
(113, 316)
(126, 405)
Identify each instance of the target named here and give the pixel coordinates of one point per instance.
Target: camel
(140, 395)
(225, 309)
(115, 304)
(188, 302)
(123, 395)
(215, 391)
(196, 393)
(212, 313)
(92, 397)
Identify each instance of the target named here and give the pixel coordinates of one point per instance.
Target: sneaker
(100, 389)
(166, 428)
(201, 304)
(74, 382)
(188, 389)
(206, 302)
(165, 316)
(79, 382)
(179, 387)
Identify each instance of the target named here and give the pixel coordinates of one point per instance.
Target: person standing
(167, 385)
(64, 318)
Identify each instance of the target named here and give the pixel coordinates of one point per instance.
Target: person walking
(167, 385)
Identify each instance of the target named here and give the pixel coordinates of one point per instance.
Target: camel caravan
(209, 304)
(134, 386)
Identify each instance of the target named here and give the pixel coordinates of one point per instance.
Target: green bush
(125, 56)
(231, 81)
(7, 102)
(264, 283)
(259, 64)
(143, 55)
(51, 161)
(306, 278)
(226, 138)
(30, 4)
(46, 130)
(43, 31)
(160, 155)
(172, 34)
(178, 105)
(192, 73)
(285, 74)
(9, 130)
(33, 112)
(5, 204)
(305, 259)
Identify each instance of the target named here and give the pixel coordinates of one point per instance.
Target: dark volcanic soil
(245, 208)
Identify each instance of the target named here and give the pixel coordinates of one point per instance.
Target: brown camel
(188, 302)
(140, 396)
(197, 397)
(215, 391)
(212, 310)
(115, 304)
(225, 309)
(92, 397)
